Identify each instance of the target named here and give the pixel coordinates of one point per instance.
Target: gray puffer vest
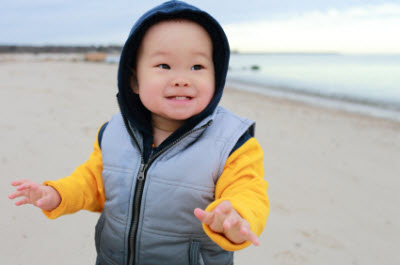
(148, 214)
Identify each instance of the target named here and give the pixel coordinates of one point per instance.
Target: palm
(33, 194)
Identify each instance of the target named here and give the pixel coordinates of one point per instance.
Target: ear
(134, 83)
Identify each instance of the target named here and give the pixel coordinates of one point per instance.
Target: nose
(180, 82)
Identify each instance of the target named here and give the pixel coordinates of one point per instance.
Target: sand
(333, 175)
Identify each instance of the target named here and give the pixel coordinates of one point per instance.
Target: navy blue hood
(130, 104)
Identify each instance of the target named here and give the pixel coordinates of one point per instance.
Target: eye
(163, 66)
(197, 67)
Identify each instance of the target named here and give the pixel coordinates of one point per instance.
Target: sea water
(368, 79)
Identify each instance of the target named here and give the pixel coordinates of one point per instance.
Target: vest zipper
(141, 177)
(138, 194)
(135, 213)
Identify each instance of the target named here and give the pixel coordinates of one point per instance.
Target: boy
(170, 153)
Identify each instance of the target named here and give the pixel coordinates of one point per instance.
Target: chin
(181, 116)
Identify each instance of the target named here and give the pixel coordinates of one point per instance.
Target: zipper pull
(207, 124)
(141, 172)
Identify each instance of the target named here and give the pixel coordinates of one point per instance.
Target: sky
(345, 26)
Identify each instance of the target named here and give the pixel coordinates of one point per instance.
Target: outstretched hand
(225, 220)
(44, 197)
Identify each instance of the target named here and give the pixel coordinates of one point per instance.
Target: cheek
(148, 100)
(146, 80)
(149, 93)
(149, 87)
(210, 86)
(209, 89)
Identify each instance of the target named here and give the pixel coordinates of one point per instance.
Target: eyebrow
(164, 53)
(158, 53)
(202, 54)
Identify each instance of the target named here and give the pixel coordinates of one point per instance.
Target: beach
(333, 175)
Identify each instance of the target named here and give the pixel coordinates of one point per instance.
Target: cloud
(364, 29)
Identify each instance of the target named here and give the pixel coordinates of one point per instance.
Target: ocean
(371, 81)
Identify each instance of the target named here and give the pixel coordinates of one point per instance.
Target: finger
(245, 228)
(22, 202)
(249, 235)
(231, 222)
(203, 216)
(224, 207)
(16, 194)
(18, 182)
(252, 237)
(23, 187)
(40, 203)
(27, 186)
(200, 214)
(209, 218)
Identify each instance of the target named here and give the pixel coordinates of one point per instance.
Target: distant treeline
(59, 49)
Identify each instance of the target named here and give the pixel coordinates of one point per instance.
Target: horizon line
(3, 48)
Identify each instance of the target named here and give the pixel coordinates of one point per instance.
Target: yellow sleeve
(242, 183)
(83, 189)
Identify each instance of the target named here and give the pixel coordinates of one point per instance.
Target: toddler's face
(175, 71)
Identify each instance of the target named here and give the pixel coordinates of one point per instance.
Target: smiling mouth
(180, 98)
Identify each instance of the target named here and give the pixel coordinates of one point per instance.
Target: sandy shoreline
(349, 105)
(333, 175)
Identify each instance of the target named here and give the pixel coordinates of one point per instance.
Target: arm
(82, 190)
(240, 210)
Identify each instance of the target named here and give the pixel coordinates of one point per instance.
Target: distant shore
(35, 49)
(104, 48)
(118, 48)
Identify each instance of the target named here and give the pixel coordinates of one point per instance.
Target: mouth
(180, 98)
